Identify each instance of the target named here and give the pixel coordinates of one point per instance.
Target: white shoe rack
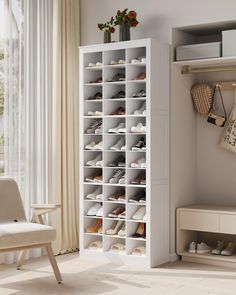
(156, 120)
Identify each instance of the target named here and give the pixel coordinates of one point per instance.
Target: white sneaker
(141, 110)
(94, 161)
(94, 210)
(98, 146)
(99, 163)
(203, 248)
(117, 128)
(218, 249)
(229, 250)
(118, 145)
(90, 146)
(100, 212)
(123, 148)
(93, 195)
(139, 128)
(192, 248)
(138, 163)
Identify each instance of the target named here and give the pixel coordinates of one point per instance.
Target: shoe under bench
(206, 223)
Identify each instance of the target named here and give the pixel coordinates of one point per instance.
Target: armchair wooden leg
(53, 263)
(21, 259)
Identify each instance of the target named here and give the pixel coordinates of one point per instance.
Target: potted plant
(126, 20)
(108, 29)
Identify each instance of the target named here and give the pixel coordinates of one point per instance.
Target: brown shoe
(118, 112)
(141, 76)
(141, 179)
(99, 80)
(94, 228)
(116, 212)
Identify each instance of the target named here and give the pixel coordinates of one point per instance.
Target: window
(11, 89)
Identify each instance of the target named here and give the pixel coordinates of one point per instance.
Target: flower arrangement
(108, 26)
(126, 17)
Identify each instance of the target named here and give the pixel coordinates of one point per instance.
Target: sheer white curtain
(27, 93)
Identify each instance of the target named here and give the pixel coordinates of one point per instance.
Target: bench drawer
(207, 222)
(228, 224)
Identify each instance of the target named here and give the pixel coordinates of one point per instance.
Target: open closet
(203, 174)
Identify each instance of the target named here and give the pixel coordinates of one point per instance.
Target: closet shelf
(207, 65)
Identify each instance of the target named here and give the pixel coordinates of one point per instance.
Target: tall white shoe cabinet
(156, 120)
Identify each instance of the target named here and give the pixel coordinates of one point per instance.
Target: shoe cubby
(111, 190)
(135, 53)
(114, 55)
(112, 92)
(129, 98)
(131, 244)
(133, 88)
(111, 106)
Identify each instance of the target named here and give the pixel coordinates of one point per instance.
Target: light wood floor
(83, 277)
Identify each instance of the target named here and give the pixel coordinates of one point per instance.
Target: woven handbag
(202, 95)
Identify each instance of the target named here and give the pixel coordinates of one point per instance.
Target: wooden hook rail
(225, 85)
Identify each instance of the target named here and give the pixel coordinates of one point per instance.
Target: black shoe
(139, 145)
(120, 94)
(119, 162)
(139, 196)
(96, 96)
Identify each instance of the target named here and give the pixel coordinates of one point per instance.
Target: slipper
(139, 251)
(117, 247)
(95, 245)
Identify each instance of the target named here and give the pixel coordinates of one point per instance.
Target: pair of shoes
(97, 64)
(96, 113)
(95, 210)
(141, 111)
(119, 212)
(140, 214)
(141, 179)
(200, 248)
(120, 128)
(118, 176)
(95, 195)
(117, 78)
(118, 228)
(219, 250)
(95, 127)
(120, 94)
(118, 196)
(141, 93)
(117, 248)
(141, 59)
(94, 146)
(139, 163)
(140, 145)
(96, 227)
(119, 145)
(118, 112)
(141, 76)
(96, 161)
(95, 245)
(139, 251)
(140, 231)
(140, 197)
(98, 80)
(119, 162)
(139, 128)
(96, 96)
(96, 177)
(119, 62)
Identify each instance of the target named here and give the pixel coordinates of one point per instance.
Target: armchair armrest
(41, 209)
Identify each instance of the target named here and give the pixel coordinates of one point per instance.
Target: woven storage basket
(202, 95)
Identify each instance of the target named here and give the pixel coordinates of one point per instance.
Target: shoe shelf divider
(209, 224)
(156, 119)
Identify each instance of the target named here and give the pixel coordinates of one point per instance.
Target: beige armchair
(16, 233)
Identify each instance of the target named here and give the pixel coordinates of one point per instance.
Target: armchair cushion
(20, 234)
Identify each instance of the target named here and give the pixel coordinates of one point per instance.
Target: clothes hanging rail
(195, 70)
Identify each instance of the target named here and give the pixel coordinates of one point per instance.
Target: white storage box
(229, 43)
(198, 51)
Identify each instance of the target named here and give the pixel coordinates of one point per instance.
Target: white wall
(157, 18)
